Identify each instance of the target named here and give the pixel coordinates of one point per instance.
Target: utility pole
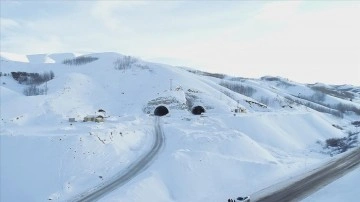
(170, 84)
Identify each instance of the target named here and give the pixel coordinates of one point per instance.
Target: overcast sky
(305, 41)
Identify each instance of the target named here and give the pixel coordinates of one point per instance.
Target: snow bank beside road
(343, 189)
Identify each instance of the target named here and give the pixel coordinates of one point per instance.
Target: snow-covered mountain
(253, 133)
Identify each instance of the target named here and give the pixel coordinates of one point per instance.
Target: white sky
(305, 41)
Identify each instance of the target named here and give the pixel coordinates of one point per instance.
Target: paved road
(313, 182)
(130, 172)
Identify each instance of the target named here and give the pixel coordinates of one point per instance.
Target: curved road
(315, 181)
(130, 172)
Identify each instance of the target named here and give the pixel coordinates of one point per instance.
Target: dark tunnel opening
(161, 111)
(198, 110)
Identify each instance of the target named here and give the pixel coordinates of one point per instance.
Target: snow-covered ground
(211, 157)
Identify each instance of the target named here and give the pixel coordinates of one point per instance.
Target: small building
(99, 119)
(93, 118)
(89, 118)
(240, 110)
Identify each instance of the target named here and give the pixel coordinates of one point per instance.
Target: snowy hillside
(254, 132)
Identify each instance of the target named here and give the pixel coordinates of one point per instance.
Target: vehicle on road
(243, 199)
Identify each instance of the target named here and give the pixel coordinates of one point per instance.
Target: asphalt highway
(315, 181)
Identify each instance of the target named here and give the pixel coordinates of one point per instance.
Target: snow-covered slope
(5, 56)
(242, 143)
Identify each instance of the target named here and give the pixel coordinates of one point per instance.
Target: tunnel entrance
(198, 110)
(161, 111)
